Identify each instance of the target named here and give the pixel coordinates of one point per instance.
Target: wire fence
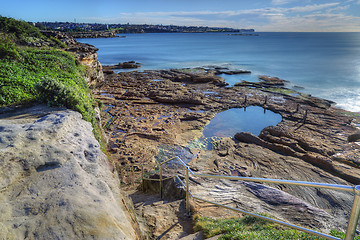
(352, 223)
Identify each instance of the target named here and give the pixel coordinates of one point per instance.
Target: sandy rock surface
(55, 183)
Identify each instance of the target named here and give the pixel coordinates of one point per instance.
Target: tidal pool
(251, 119)
(236, 78)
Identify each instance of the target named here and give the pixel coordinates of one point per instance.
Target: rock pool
(251, 119)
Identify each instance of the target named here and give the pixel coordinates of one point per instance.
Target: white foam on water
(345, 98)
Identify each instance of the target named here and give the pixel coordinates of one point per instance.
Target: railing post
(133, 175)
(187, 191)
(161, 184)
(354, 216)
(142, 178)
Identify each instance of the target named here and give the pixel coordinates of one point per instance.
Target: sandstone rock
(55, 182)
(273, 81)
(355, 137)
(233, 72)
(63, 37)
(309, 144)
(130, 64)
(126, 65)
(87, 56)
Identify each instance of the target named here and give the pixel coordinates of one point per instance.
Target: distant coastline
(131, 28)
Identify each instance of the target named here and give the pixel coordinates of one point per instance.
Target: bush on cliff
(7, 48)
(23, 33)
(46, 75)
(41, 74)
(57, 93)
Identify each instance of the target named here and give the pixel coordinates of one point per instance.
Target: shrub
(47, 75)
(7, 48)
(18, 29)
(23, 33)
(56, 93)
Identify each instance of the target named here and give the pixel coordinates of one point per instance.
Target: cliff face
(55, 182)
(87, 56)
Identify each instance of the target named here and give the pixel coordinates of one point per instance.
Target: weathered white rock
(55, 183)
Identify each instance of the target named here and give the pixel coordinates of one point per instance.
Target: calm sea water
(327, 65)
(252, 119)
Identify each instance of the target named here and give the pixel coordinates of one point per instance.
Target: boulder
(130, 64)
(55, 182)
(355, 137)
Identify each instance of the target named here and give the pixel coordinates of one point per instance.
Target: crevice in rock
(48, 166)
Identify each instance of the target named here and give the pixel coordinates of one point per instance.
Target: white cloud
(315, 7)
(313, 23)
(315, 17)
(280, 2)
(338, 8)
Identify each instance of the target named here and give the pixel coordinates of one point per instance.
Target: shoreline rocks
(152, 109)
(123, 65)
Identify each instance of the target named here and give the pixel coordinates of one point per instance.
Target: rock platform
(145, 111)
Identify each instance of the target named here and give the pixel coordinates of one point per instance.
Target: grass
(281, 90)
(253, 228)
(44, 74)
(49, 76)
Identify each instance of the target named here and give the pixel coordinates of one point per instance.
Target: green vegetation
(117, 29)
(41, 74)
(253, 228)
(45, 75)
(23, 33)
(282, 91)
(7, 48)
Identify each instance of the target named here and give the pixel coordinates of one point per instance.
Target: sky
(262, 15)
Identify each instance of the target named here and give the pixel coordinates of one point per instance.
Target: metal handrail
(354, 216)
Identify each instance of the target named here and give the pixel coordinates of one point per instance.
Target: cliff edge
(55, 182)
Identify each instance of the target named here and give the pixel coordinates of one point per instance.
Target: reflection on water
(229, 122)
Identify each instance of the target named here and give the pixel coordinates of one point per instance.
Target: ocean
(325, 65)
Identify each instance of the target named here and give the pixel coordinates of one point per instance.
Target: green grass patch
(253, 228)
(282, 91)
(354, 115)
(47, 76)
(39, 67)
(42, 74)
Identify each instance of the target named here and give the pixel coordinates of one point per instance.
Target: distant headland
(132, 28)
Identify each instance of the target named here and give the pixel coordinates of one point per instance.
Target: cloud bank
(330, 16)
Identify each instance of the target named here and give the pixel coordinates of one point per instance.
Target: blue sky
(263, 15)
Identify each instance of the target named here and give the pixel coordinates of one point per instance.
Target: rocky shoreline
(56, 183)
(147, 113)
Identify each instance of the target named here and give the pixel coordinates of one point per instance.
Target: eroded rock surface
(55, 182)
(147, 110)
